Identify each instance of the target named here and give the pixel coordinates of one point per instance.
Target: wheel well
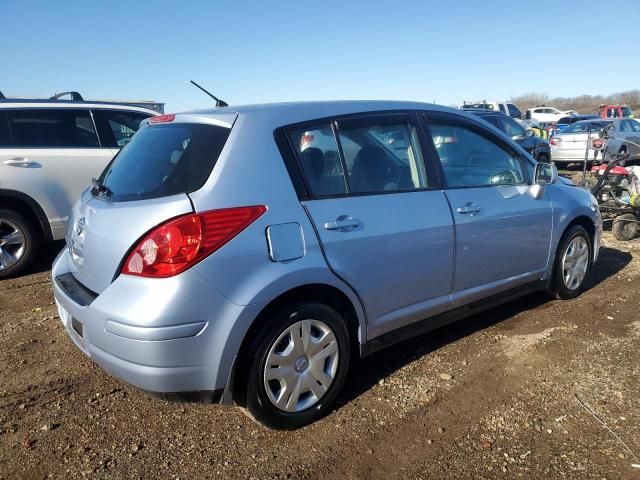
(30, 209)
(623, 148)
(588, 225)
(322, 293)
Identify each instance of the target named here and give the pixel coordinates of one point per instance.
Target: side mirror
(545, 173)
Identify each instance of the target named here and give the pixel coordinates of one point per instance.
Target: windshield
(583, 127)
(164, 160)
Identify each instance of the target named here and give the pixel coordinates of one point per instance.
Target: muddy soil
(493, 396)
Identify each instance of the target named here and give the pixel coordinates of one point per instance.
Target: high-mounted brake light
(170, 117)
(176, 245)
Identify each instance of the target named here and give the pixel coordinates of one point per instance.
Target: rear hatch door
(146, 184)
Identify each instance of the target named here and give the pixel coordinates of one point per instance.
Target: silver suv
(250, 252)
(49, 151)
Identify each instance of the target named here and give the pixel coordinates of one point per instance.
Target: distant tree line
(585, 104)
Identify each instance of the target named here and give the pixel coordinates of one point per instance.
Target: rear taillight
(176, 245)
(555, 140)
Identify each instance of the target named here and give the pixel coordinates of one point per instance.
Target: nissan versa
(249, 253)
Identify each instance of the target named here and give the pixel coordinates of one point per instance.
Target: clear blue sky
(248, 52)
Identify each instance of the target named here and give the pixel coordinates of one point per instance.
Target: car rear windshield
(583, 127)
(164, 160)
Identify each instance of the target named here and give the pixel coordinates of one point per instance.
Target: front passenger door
(503, 233)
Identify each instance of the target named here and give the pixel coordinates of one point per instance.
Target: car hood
(566, 181)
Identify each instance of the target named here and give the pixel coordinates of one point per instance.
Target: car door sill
(440, 320)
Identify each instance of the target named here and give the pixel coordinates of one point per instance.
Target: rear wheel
(625, 227)
(19, 242)
(298, 365)
(543, 158)
(572, 263)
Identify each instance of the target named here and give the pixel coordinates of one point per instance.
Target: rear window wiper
(100, 189)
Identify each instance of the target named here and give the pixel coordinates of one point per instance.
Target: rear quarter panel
(251, 171)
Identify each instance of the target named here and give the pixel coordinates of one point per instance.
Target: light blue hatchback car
(249, 253)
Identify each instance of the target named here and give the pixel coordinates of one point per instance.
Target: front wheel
(298, 365)
(572, 263)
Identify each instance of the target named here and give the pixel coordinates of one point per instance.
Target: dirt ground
(493, 396)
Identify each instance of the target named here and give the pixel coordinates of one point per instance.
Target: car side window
(635, 124)
(470, 159)
(117, 126)
(388, 157)
(5, 133)
(317, 152)
(513, 110)
(625, 126)
(52, 128)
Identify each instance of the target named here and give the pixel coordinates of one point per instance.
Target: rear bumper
(161, 335)
(572, 156)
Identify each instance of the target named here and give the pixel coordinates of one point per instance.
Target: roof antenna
(219, 103)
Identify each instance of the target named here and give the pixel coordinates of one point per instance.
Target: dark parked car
(564, 122)
(536, 146)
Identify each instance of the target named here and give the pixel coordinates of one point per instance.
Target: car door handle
(342, 223)
(21, 162)
(469, 209)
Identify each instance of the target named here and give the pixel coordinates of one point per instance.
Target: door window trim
(458, 121)
(13, 146)
(102, 124)
(292, 162)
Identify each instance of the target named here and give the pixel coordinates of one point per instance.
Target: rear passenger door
(51, 156)
(384, 226)
(503, 233)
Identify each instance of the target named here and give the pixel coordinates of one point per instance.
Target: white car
(49, 152)
(547, 114)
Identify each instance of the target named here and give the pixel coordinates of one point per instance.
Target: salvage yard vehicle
(626, 138)
(49, 151)
(220, 253)
(615, 111)
(564, 122)
(547, 114)
(578, 142)
(507, 108)
(536, 146)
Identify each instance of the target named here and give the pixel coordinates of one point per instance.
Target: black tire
(625, 227)
(543, 158)
(558, 288)
(257, 399)
(622, 150)
(8, 220)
